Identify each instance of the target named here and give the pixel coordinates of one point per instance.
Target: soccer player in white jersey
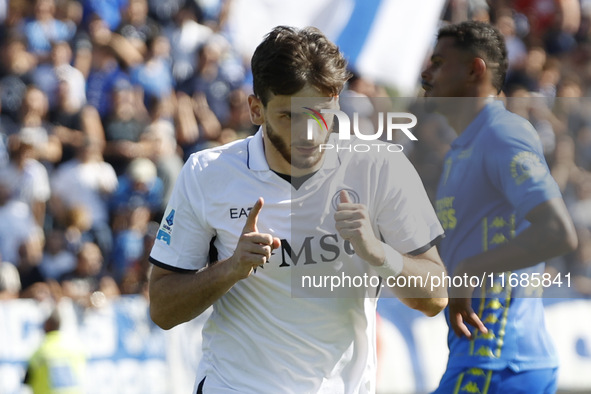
(338, 212)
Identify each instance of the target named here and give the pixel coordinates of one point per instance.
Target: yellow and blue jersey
(493, 175)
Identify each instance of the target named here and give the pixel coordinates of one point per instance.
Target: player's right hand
(254, 248)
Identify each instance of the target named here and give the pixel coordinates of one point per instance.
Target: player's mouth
(306, 150)
(426, 87)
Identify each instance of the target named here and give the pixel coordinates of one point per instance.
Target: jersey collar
(256, 160)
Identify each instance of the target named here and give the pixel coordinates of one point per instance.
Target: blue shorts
(485, 381)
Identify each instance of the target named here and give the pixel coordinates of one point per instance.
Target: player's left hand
(353, 225)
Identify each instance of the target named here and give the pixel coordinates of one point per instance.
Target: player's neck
(466, 113)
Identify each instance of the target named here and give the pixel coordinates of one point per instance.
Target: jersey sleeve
(516, 166)
(183, 238)
(406, 218)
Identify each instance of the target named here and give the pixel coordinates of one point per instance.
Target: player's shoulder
(506, 128)
(234, 153)
(373, 152)
(375, 159)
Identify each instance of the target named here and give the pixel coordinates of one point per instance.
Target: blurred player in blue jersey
(502, 212)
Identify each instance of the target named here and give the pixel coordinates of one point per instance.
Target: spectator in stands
(528, 76)
(161, 134)
(516, 50)
(7, 127)
(197, 125)
(124, 126)
(110, 11)
(212, 79)
(29, 176)
(48, 75)
(16, 67)
(21, 240)
(154, 76)
(137, 27)
(44, 29)
(111, 55)
(549, 78)
(78, 228)
(126, 52)
(239, 118)
(73, 124)
(186, 36)
(128, 246)
(135, 280)
(86, 284)
(86, 181)
(57, 259)
(35, 127)
(10, 283)
(139, 186)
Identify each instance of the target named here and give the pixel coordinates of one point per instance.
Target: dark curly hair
(289, 58)
(481, 40)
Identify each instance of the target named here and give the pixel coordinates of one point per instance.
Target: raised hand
(353, 224)
(254, 248)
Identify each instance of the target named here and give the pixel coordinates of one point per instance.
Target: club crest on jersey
(527, 165)
(165, 231)
(336, 199)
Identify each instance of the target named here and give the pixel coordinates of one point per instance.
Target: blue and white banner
(128, 354)
(412, 350)
(384, 40)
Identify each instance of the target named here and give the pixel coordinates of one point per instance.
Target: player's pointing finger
(251, 221)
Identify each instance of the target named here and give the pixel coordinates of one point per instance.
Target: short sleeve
(183, 238)
(516, 167)
(406, 218)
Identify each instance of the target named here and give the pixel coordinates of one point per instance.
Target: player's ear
(255, 107)
(478, 68)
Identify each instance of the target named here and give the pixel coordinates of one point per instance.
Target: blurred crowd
(101, 102)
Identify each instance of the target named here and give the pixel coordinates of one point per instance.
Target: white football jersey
(270, 333)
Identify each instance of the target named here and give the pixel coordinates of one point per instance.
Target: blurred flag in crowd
(384, 40)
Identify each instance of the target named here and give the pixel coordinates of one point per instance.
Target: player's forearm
(420, 292)
(179, 297)
(428, 299)
(550, 234)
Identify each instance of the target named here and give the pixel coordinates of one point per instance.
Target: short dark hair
(289, 58)
(482, 40)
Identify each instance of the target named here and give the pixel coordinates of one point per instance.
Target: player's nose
(425, 75)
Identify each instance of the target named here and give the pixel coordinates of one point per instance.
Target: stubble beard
(301, 163)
